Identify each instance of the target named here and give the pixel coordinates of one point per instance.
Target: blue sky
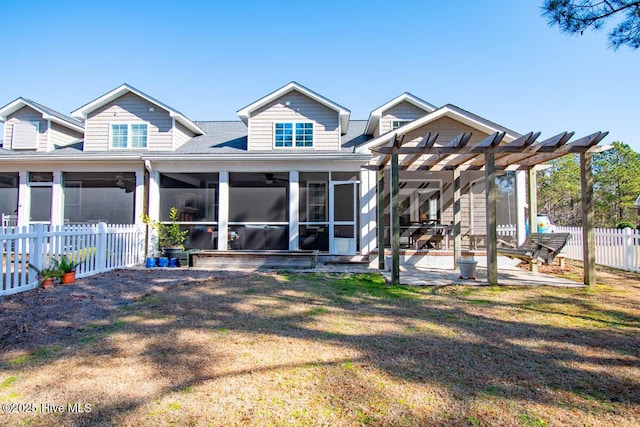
(497, 59)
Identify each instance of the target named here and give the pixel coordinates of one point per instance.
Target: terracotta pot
(47, 283)
(68, 278)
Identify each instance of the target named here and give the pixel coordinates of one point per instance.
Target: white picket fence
(99, 247)
(614, 248)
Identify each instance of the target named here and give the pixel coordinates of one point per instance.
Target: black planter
(172, 253)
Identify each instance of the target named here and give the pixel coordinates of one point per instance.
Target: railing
(507, 232)
(614, 248)
(98, 247)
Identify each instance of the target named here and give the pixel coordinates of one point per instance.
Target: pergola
(490, 154)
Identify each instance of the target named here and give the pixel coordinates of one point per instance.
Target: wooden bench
(543, 247)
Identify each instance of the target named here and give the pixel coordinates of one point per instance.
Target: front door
(342, 218)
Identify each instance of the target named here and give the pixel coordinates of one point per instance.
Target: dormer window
(286, 133)
(397, 123)
(129, 135)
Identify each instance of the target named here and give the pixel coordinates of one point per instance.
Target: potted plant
(170, 237)
(47, 276)
(67, 267)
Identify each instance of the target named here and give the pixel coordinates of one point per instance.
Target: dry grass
(294, 349)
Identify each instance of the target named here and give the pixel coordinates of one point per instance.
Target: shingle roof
(54, 113)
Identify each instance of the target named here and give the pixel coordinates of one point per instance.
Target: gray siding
(129, 108)
(181, 135)
(446, 128)
(26, 114)
(401, 111)
(61, 136)
(326, 133)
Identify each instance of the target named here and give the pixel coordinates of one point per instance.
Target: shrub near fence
(614, 248)
(98, 247)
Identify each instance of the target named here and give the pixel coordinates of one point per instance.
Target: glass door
(41, 185)
(342, 218)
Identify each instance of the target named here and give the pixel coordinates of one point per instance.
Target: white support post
(223, 214)
(294, 207)
(139, 198)
(24, 199)
(521, 202)
(154, 210)
(154, 195)
(367, 211)
(57, 199)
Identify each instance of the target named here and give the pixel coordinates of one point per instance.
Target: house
(294, 172)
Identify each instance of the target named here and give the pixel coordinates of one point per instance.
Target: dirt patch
(41, 317)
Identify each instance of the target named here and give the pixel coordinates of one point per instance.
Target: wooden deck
(254, 259)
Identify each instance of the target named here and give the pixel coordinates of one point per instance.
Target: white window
(397, 123)
(129, 135)
(288, 134)
(24, 135)
(317, 201)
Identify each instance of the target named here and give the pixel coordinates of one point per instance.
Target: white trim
(344, 114)
(84, 111)
(173, 133)
(49, 147)
(376, 115)
(17, 104)
(402, 123)
(446, 111)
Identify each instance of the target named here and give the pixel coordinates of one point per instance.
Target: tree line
(616, 188)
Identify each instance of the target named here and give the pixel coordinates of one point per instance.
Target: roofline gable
(376, 115)
(448, 110)
(344, 114)
(46, 112)
(84, 111)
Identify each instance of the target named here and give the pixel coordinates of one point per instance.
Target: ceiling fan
(270, 178)
(127, 184)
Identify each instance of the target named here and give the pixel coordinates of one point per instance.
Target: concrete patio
(421, 276)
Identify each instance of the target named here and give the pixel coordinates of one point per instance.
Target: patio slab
(422, 276)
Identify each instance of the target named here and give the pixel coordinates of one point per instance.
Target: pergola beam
(547, 145)
(394, 144)
(459, 142)
(581, 145)
(426, 142)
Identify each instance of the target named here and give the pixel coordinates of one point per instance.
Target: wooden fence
(614, 248)
(98, 247)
